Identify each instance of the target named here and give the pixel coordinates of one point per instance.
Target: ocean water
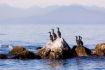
(32, 36)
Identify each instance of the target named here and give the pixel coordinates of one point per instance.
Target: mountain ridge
(57, 14)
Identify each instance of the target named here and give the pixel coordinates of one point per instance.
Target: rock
(3, 56)
(27, 55)
(73, 50)
(22, 53)
(99, 50)
(57, 49)
(17, 50)
(81, 51)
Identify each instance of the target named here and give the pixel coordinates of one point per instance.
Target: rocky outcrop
(27, 55)
(17, 50)
(81, 51)
(99, 50)
(58, 49)
(22, 53)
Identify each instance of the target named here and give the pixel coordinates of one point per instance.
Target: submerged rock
(3, 56)
(81, 51)
(99, 50)
(57, 49)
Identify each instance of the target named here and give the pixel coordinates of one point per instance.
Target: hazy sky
(43, 3)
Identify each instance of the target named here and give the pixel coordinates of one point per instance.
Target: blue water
(32, 36)
(83, 63)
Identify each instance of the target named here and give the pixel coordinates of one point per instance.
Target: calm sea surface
(36, 35)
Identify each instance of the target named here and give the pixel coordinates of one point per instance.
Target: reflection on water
(56, 64)
(80, 63)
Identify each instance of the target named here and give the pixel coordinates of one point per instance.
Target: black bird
(54, 34)
(80, 40)
(51, 37)
(59, 33)
(77, 41)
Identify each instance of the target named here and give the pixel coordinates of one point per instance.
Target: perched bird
(80, 40)
(54, 34)
(51, 37)
(59, 33)
(77, 41)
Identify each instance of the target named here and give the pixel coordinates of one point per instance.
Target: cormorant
(54, 34)
(51, 37)
(77, 41)
(59, 33)
(80, 40)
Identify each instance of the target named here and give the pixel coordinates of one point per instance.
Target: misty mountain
(74, 14)
(9, 12)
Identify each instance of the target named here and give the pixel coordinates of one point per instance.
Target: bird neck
(76, 38)
(50, 34)
(58, 29)
(80, 38)
(53, 32)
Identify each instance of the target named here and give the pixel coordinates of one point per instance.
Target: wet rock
(81, 51)
(59, 49)
(22, 53)
(3, 56)
(99, 50)
(73, 50)
(27, 55)
(17, 50)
